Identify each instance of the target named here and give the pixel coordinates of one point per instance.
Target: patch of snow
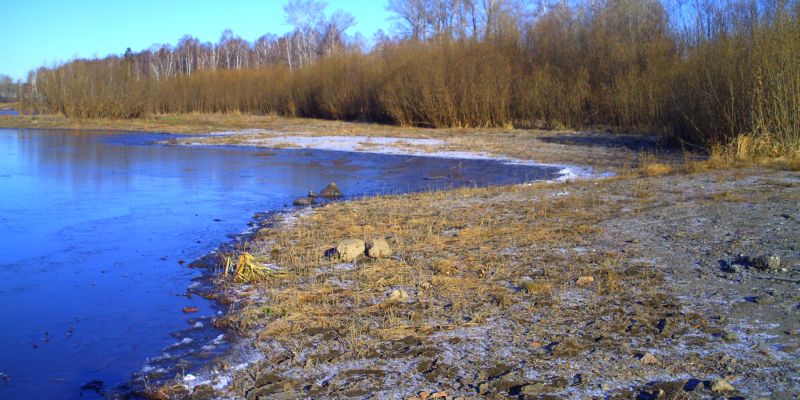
(241, 132)
(371, 144)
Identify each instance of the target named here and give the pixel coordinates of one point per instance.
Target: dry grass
(655, 169)
(463, 256)
(249, 269)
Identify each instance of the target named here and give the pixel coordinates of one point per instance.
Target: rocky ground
(630, 287)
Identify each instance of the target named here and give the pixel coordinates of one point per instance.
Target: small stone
(349, 250)
(721, 385)
(424, 395)
(439, 395)
(378, 248)
(398, 296)
(584, 280)
(331, 191)
(483, 388)
(768, 261)
(648, 359)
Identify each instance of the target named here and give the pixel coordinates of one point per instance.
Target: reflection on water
(93, 226)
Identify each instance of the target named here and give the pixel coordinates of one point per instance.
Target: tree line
(704, 71)
(9, 90)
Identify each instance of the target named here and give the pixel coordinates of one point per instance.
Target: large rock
(350, 249)
(378, 248)
(331, 191)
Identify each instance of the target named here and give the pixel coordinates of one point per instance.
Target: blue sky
(46, 32)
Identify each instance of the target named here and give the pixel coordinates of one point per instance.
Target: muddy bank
(625, 287)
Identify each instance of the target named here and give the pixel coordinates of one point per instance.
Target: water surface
(95, 227)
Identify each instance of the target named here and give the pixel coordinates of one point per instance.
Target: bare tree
(335, 26)
(266, 51)
(306, 16)
(411, 17)
(188, 49)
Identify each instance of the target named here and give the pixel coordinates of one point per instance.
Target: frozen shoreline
(377, 145)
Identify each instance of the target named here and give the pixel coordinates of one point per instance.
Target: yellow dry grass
(249, 269)
(462, 256)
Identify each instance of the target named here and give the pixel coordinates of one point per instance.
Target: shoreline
(435, 148)
(237, 353)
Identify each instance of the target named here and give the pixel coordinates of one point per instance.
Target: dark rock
(331, 191)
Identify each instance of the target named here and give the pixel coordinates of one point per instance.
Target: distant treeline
(9, 90)
(706, 73)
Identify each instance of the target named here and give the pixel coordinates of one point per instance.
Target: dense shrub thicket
(718, 72)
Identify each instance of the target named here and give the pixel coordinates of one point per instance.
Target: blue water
(8, 112)
(93, 227)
